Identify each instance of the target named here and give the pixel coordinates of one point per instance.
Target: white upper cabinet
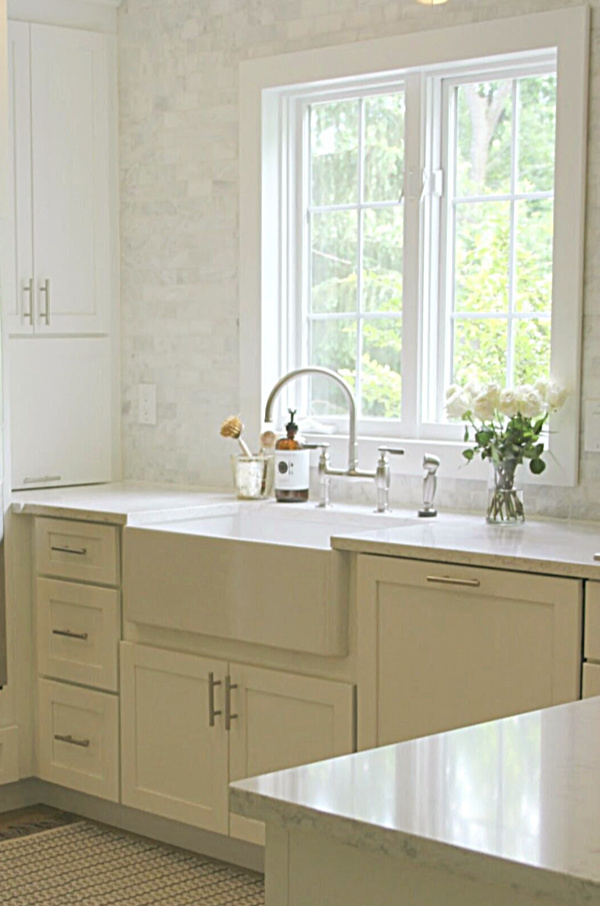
(63, 161)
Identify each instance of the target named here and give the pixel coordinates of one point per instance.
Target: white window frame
(264, 199)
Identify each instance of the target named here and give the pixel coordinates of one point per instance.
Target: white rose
(557, 396)
(542, 387)
(530, 404)
(486, 402)
(509, 403)
(456, 403)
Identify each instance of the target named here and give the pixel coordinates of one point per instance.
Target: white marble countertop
(552, 547)
(119, 503)
(513, 801)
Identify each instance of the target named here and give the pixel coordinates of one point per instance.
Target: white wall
(179, 218)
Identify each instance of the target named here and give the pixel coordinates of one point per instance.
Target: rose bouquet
(506, 427)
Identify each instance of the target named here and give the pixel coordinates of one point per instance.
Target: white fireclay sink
(258, 572)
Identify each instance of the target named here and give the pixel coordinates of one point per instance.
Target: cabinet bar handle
(80, 551)
(228, 715)
(42, 479)
(45, 314)
(212, 682)
(82, 743)
(28, 288)
(71, 635)
(448, 580)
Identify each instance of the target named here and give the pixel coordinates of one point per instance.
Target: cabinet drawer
(78, 739)
(78, 629)
(77, 550)
(591, 680)
(592, 621)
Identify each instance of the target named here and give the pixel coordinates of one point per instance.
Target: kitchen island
(505, 813)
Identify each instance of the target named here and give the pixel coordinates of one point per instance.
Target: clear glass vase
(505, 493)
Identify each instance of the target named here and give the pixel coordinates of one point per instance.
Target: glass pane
(334, 237)
(381, 369)
(482, 252)
(537, 133)
(535, 224)
(484, 130)
(532, 351)
(383, 259)
(480, 348)
(334, 152)
(384, 147)
(333, 345)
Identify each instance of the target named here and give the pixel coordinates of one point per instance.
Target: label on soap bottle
(292, 470)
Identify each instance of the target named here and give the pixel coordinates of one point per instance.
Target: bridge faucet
(381, 475)
(352, 471)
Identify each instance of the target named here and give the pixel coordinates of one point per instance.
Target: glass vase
(505, 493)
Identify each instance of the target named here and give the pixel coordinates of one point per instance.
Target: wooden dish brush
(233, 427)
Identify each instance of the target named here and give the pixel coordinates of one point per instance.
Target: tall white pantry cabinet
(60, 301)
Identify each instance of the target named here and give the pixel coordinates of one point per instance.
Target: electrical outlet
(147, 404)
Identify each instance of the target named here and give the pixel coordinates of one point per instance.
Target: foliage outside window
(483, 224)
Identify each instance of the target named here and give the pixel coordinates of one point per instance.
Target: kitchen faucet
(381, 474)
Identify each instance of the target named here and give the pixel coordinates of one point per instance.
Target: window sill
(452, 463)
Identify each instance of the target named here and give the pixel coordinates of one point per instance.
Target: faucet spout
(324, 372)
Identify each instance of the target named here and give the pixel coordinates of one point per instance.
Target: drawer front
(78, 739)
(591, 680)
(78, 629)
(77, 550)
(592, 621)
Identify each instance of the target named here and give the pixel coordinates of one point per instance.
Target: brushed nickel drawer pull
(80, 551)
(28, 289)
(71, 635)
(228, 715)
(45, 289)
(448, 580)
(82, 743)
(212, 682)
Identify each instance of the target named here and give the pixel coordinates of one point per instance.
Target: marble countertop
(119, 503)
(552, 547)
(511, 801)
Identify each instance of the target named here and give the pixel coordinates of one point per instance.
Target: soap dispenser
(292, 466)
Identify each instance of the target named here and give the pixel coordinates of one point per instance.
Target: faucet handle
(383, 451)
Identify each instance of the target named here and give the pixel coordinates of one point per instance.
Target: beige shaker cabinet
(173, 762)
(63, 157)
(190, 725)
(284, 720)
(442, 646)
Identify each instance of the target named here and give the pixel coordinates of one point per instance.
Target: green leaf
(468, 454)
(466, 438)
(537, 466)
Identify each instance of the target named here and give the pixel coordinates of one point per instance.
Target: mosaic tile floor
(84, 864)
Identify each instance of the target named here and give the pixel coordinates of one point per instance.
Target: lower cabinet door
(173, 739)
(281, 720)
(78, 739)
(442, 646)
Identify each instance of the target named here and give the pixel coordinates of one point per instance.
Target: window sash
(447, 86)
(428, 253)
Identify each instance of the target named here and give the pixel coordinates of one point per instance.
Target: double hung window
(418, 221)
(432, 248)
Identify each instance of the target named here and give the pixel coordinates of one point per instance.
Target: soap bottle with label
(292, 466)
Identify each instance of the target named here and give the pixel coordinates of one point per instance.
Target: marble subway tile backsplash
(179, 63)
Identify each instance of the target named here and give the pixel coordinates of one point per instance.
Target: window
(484, 222)
(418, 225)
